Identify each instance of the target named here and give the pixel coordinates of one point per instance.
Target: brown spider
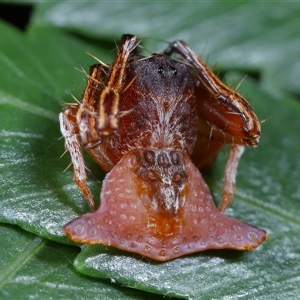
(152, 122)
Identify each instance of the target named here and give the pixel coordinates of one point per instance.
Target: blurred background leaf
(261, 37)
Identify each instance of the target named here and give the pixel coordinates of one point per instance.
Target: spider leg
(108, 115)
(235, 154)
(224, 116)
(221, 106)
(69, 129)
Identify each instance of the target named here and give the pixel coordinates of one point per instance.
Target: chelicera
(152, 123)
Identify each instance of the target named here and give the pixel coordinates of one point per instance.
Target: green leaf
(260, 36)
(35, 268)
(38, 72)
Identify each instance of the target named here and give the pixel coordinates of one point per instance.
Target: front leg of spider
(225, 115)
(83, 125)
(69, 130)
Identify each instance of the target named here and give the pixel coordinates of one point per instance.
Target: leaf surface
(36, 268)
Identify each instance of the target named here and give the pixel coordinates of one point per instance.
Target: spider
(152, 123)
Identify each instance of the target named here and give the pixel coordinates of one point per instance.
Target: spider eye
(160, 70)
